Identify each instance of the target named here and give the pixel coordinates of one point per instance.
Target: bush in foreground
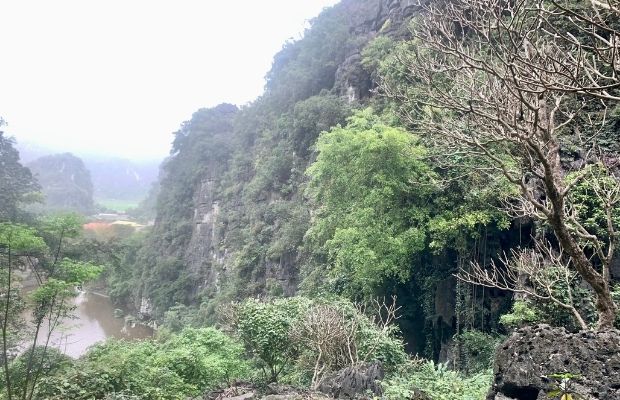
(186, 364)
(436, 381)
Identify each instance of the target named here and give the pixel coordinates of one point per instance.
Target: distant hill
(121, 179)
(118, 183)
(65, 182)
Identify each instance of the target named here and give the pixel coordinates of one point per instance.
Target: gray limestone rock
(354, 380)
(526, 363)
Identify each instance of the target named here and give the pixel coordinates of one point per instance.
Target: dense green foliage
(371, 185)
(323, 189)
(436, 381)
(275, 335)
(183, 365)
(54, 362)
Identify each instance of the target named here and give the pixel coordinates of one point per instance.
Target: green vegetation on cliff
(244, 209)
(444, 172)
(183, 365)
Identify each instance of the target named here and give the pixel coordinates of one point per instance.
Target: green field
(118, 205)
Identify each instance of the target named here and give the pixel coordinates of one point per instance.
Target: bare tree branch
(538, 273)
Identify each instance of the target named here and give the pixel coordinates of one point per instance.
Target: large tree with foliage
(17, 184)
(370, 182)
(512, 85)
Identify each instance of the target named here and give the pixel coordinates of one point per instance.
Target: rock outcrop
(353, 381)
(537, 361)
(369, 19)
(362, 381)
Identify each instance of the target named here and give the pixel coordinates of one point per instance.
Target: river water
(94, 322)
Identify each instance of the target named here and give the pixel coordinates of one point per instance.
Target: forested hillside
(419, 182)
(257, 202)
(65, 182)
(17, 184)
(234, 212)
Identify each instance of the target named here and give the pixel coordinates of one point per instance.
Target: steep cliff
(231, 213)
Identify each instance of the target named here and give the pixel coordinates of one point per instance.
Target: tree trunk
(554, 185)
(605, 305)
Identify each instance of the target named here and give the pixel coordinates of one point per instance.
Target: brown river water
(94, 322)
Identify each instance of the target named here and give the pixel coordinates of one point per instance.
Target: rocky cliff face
(231, 206)
(369, 19)
(204, 256)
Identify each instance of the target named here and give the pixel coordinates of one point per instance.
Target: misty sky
(117, 77)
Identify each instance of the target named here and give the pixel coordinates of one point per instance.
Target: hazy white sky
(118, 77)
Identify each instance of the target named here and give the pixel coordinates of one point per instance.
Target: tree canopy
(17, 185)
(370, 183)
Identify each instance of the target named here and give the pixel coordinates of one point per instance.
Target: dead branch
(537, 273)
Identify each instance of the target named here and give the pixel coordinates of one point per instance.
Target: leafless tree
(331, 336)
(503, 85)
(331, 333)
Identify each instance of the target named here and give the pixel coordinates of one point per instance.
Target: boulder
(286, 392)
(531, 363)
(353, 381)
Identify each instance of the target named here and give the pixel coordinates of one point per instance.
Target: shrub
(436, 381)
(476, 350)
(50, 361)
(265, 329)
(337, 334)
(184, 365)
(521, 314)
(205, 358)
(306, 338)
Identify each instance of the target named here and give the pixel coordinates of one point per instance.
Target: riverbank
(92, 321)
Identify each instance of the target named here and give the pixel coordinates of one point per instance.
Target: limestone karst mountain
(65, 182)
